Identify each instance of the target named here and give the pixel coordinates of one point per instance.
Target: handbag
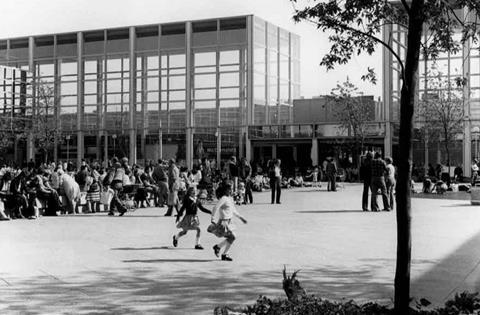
(212, 227)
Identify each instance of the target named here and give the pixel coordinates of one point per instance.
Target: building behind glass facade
(187, 89)
(464, 63)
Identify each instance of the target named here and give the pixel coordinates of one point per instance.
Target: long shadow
(137, 289)
(330, 211)
(457, 205)
(314, 191)
(145, 248)
(151, 261)
(457, 272)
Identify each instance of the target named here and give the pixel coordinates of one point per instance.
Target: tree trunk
(409, 85)
(447, 151)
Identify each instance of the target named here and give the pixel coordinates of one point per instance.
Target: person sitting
(257, 184)
(441, 187)
(427, 185)
(5, 194)
(297, 181)
(18, 188)
(46, 194)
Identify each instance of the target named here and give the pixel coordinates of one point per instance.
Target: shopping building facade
(189, 89)
(463, 64)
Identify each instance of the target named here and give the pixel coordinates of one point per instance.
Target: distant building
(464, 63)
(160, 90)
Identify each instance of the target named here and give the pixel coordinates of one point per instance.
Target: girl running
(224, 228)
(190, 221)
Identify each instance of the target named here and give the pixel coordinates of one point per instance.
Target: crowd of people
(378, 176)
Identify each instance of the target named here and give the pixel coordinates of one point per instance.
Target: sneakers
(216, 250)
(198, 246)
(226, 258)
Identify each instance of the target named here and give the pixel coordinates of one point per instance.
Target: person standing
(474, 172)
(173, 187)
(275, 175)
(390, 182)
(245, 172)
(378, 183)
(331, 172)
(366, 176)
(232, 171)
(161, 179)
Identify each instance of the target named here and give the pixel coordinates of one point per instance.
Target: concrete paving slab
(87, 264)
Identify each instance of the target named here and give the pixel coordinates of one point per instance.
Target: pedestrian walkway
(127, 265)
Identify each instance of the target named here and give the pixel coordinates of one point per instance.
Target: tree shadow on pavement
(145, 289)
(456, 273)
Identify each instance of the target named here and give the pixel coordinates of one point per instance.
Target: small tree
(352, 112)
(441, 113)
(44, 123)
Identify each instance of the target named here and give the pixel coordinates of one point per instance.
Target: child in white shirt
(225, 208)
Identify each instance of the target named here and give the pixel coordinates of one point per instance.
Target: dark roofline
(139, 25)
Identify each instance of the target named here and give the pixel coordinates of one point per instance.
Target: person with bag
(191, 204)
(225, 208)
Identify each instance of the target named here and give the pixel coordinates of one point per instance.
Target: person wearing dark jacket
(190, 221)
(366, 176)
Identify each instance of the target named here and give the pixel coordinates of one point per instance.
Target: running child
(190, 221)
(224, 227)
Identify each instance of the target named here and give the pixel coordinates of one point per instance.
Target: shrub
(299, 303)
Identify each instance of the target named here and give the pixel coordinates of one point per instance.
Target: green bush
(299, 303)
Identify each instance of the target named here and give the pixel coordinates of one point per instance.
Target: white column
(133, 98)
(387, 93)
(314, 151)
(188, 99)
(80, 85)
(467, 126)
(31, 68)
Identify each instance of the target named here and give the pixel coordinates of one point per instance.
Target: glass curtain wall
(276, 77)
(101, 72)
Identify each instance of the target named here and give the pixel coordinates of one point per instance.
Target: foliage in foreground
(300, 303)
(463, 303)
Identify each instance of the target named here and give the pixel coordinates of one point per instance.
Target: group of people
(378, 175)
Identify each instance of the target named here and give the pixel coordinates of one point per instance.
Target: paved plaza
(93, 263)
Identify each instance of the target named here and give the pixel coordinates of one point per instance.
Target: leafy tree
(441, 113)
(45, 128)
(352, 111)
(354, 27)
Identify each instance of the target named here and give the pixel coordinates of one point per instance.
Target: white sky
(32, 17)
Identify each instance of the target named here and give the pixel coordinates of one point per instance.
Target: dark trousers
(332, 182)
(116, 203)
(366, 189)
(162, 193)
(378, 183)
(248, 192)
(276, 189)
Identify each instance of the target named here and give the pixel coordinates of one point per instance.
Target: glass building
(464, 63)
(188, 89)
